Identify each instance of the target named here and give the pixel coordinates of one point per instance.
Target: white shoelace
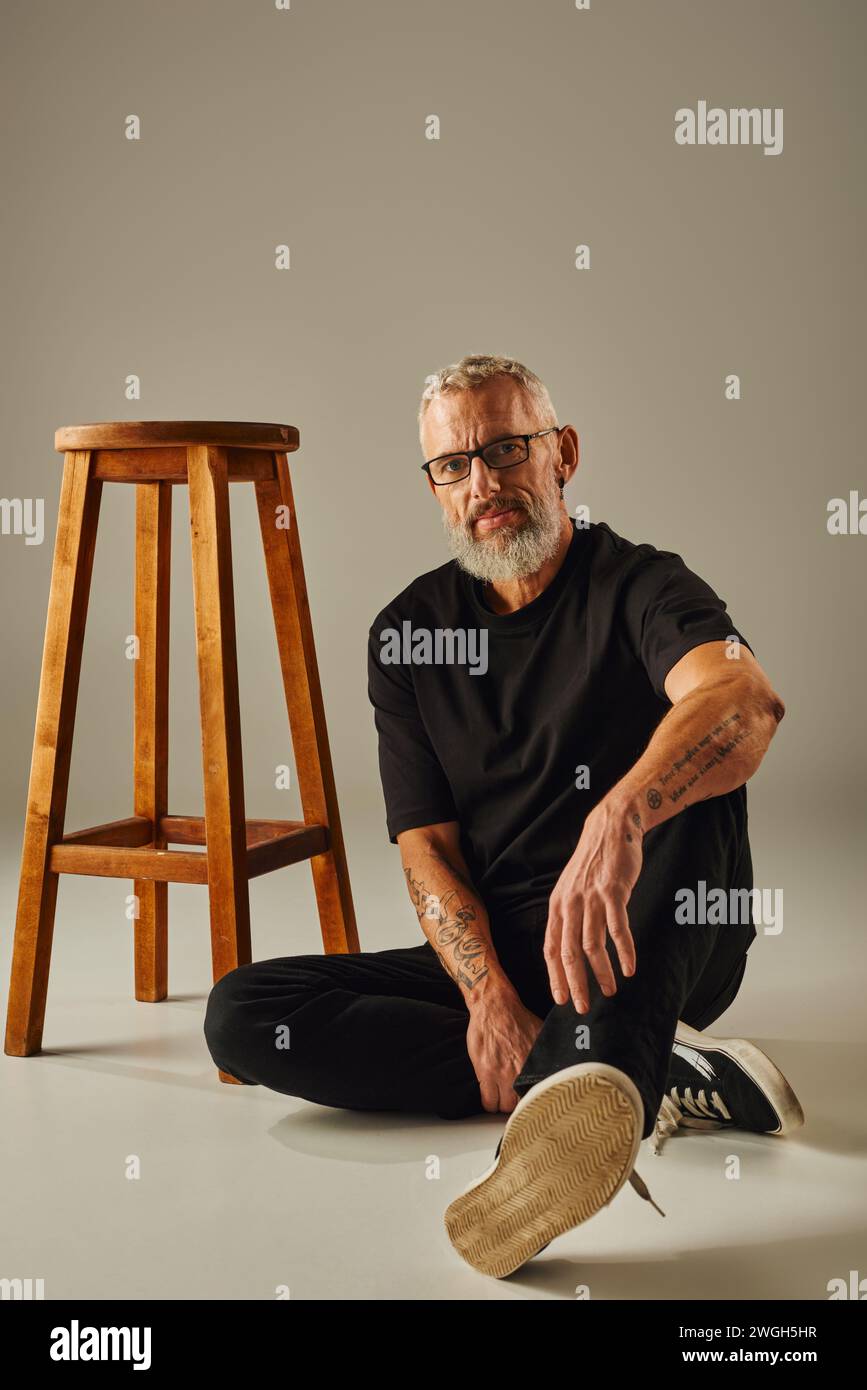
(693, 1112)
(642, 1189)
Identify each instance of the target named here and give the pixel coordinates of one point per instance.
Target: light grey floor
(243, 1192)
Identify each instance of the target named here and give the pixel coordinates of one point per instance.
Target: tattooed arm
(500, 1031)
(450, 912)
(724, 714)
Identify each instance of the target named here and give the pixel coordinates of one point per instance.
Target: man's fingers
(498, 1095)
(508, 1097)
(556, 974)
(581, 940)
(618, 926)
(594, 946)
(490, 1092)
(572, 956)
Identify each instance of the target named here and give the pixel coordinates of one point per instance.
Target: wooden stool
(155, 454)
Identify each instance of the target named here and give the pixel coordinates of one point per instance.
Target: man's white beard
(509, 552)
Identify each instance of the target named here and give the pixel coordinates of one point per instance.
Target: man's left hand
(589, 902)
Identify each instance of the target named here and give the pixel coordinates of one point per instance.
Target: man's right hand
(500, 1034)
(454, 919)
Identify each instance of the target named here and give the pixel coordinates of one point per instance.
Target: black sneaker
(724, 1083)
(567, 1149)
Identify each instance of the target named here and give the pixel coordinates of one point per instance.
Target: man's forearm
(453, 918)
(709, 743)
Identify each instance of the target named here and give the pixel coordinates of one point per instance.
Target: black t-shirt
(574, 679)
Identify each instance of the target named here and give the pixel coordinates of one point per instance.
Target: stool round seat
(167, 434)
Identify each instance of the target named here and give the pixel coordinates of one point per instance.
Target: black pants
(386, 1030)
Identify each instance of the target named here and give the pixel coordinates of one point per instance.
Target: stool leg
(225, 824)
(52, 749)
(305, 706)
(153, 532)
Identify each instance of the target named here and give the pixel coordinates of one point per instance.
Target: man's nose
(484, 482)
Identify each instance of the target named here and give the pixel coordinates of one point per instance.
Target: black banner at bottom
(65, 1337)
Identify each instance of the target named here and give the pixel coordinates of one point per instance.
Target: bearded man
(549, 809)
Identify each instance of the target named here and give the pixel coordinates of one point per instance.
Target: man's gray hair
(474, 370)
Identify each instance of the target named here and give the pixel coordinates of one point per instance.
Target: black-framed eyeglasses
(500, 453)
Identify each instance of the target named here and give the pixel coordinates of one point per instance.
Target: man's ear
(570, 452)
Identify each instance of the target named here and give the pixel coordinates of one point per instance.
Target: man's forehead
(456, 420)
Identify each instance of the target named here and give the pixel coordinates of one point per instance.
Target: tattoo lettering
(718, 754)
(460, 949)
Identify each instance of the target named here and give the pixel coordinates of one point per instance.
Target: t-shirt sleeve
(668, 610)
(414, 785)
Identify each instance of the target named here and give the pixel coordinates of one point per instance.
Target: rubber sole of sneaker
(758, 1067)
(568, 1147)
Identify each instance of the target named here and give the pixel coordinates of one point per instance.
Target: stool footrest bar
(123, 849)
(135, 830)
(122, 861)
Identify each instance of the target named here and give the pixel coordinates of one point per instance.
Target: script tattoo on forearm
(460, 949)
(697, 769)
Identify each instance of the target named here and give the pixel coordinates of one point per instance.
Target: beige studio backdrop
(308, 127)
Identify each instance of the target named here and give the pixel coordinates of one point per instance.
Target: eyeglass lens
(502, 454)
